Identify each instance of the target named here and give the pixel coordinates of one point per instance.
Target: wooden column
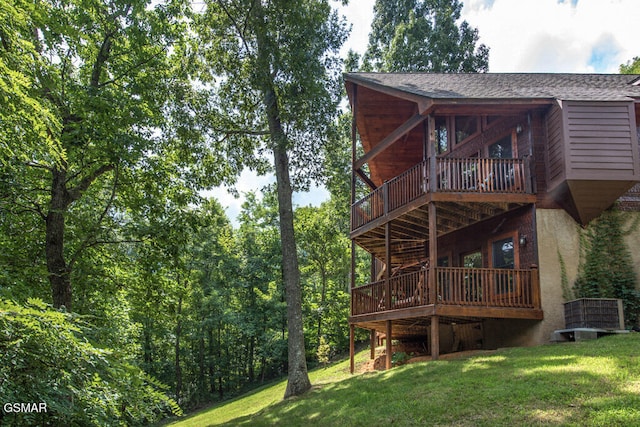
(433, 242)
(535, 286)
(433, 255)
(389, 351)
(387, 260)
(352, 348)
(435, 338)
(372, 344)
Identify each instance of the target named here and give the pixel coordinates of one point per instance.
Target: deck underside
(416, 321)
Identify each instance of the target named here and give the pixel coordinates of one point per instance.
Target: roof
(574, 87)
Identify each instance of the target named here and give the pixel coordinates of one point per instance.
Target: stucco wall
(558, 242)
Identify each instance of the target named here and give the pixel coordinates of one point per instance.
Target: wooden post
(352, 348)
(372, 344)
(433, 255)
(387, 271)
(433, 173)
(535, 286)
(435, 338)
(389, 351)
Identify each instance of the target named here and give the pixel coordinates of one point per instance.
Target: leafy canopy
(423, 35)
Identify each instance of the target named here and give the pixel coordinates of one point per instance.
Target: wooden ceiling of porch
(410, 232)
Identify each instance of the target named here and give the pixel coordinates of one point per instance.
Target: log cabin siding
(601, 141)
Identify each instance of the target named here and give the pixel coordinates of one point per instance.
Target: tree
(423, 35)
(111, 79)
(276, 68)
(631, 67)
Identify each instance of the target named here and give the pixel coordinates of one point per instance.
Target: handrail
(477, 175)
(486, 287)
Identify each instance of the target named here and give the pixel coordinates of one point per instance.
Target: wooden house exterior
(459, 181)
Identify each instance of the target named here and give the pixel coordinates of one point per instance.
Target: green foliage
(423, 35)
(400, 358)
(28, 122)
(567, 293)
(45, 357)
(631, 67)
(323, 352)
(606, 269)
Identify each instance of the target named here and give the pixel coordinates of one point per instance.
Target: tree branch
(76, 192)
(91, 234)
(242, 132)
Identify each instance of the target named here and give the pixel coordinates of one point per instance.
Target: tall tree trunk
(252, 375)
(177, 350)
(323, 295)
(59, 272)
(298, 378)
(62, 197)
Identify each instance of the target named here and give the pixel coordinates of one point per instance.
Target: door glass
(503, 254)
(501, 149)
(503, 257)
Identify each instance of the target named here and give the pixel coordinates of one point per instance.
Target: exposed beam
(398, 133)
(366, 179)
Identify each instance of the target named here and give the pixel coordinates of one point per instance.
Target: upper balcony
(442, 179)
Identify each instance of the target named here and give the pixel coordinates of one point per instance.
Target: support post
(387, 260)
(372, 344)
(389, 350)
(352, 348)
(433, 173)
(435, 338)
(433, 255)
(535, 286)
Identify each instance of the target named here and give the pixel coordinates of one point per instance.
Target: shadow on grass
(559, 384)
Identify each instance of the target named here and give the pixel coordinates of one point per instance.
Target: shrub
(45, 357)
(607, 270)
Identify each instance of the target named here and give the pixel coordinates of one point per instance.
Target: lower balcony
(458, 292)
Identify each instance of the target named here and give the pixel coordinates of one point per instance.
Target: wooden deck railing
(480, 175)
(486, 287)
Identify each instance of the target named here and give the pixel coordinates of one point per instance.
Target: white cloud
(556, 36)
(248, 181)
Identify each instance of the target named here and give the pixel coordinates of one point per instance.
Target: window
(465, 126)
(502, 149)
(443, 261)
(472, 260)
(442, 135)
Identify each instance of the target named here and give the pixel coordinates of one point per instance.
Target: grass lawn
(594, 383)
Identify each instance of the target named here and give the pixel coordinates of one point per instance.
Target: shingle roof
(578, 87)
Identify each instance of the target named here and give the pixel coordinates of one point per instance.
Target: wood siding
(601, 141)
(555, 148)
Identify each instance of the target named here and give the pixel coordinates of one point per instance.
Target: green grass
(594, 383)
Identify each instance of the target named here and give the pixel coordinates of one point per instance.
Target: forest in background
(125, 295)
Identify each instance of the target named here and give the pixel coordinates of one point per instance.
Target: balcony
(455, 180)
(459, 292)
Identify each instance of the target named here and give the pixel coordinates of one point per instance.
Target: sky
(568, 36)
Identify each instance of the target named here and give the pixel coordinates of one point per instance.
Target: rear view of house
(468, 191)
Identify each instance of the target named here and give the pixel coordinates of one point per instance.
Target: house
(468, 191)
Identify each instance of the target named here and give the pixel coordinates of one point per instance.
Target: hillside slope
(587, 383)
